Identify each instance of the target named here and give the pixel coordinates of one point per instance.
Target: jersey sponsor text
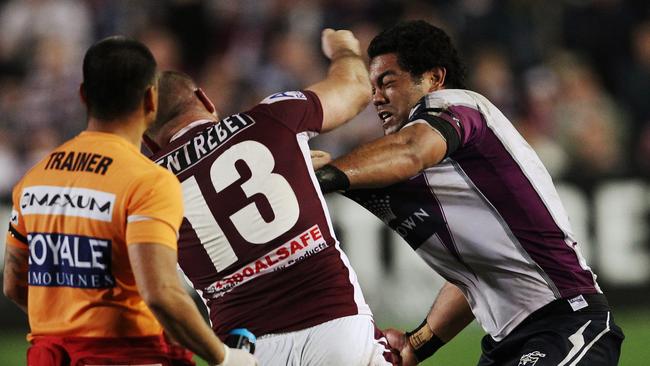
(69, 260)
(293, 251)
(67, 201)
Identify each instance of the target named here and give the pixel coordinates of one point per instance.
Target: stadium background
(573, 76)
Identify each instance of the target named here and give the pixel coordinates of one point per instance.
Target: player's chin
(391, 127)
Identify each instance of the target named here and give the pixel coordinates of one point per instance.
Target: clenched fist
(340, 42)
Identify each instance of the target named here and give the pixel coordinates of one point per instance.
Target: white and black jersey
(487, 218)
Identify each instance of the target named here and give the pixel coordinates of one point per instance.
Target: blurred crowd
(572, 75)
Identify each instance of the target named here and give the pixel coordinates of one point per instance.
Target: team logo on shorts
(530, 359)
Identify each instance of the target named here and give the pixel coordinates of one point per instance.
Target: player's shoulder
(448, 97)
(298, 110)
(444, 99)
(287, 100)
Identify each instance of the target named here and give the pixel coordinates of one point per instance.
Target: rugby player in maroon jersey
(256, 241)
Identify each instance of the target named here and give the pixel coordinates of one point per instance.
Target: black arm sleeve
(444, 127)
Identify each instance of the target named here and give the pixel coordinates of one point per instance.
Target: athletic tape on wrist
(424, 342)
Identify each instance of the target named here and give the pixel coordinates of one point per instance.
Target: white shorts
(349, 341)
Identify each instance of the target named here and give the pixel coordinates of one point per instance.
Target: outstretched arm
(345, 92)
(385, 161)
(449, 315)
(154, 269)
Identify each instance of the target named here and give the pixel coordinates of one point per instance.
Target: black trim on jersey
(444, 127)
(17, 235)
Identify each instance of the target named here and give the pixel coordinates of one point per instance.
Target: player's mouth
(386, 117)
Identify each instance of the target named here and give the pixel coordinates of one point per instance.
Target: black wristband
(332, 179)
(424, 342)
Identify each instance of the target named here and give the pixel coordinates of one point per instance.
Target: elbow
(154, 299)
(414, 163)
(411, 156)
(10, 293)
(404, 163)
(15, 293)
(161, 299)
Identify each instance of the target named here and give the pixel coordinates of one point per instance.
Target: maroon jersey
(257, 241)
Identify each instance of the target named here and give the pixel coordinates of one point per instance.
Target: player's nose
(378, 97)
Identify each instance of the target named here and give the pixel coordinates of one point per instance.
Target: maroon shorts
(82, 351)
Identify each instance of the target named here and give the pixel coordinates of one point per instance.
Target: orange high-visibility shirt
(75, 212)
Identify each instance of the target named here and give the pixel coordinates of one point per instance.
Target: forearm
(349, 70)
(154, 269)
(178, 315)
(346, 90)
(450, 313)
(380, 163)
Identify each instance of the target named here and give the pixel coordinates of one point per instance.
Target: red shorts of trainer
(86, 351)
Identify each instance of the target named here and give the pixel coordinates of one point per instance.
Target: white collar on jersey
(189, 127)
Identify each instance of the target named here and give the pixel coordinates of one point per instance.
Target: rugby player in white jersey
(256, 240)
(454, 178)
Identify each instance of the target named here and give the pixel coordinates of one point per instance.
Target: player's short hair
(116, 73)
(175, 96)
(420, 47)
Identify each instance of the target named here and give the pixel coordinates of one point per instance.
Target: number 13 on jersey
(248, 220)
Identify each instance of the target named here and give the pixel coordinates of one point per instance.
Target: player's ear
(151, 100)
(207, 103)
(82, 94)
(436, 78)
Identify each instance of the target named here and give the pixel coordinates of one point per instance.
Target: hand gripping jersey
(256, 241)
(76, 211)
(487, 218)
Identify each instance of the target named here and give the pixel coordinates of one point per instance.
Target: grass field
(462, 351)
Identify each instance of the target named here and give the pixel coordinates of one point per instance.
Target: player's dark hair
(116, 73)
(420, 47)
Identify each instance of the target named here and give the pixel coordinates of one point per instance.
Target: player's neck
(130, 128)
(181, 122)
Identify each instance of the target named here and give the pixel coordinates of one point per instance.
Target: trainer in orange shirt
(91, 249)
